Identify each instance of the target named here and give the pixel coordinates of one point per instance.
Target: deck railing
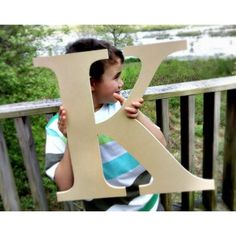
(160, 95)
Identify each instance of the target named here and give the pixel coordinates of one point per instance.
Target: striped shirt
(120, 168)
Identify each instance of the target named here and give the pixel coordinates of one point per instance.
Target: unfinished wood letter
(72, 72)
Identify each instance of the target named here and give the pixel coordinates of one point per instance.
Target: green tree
(120, 35)
(19, 80)
(84, 31)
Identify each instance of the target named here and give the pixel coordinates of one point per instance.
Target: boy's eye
(117, 76)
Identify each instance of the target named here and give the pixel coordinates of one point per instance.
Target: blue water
(199, 46)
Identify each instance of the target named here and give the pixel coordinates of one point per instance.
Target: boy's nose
(121, 83)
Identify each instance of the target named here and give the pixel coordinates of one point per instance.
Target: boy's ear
(92, 83)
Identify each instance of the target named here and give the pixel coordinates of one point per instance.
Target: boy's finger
(119, 98)
(131, 110)
(132, 116)
(137, 104)
(61, 108)
(141, 100)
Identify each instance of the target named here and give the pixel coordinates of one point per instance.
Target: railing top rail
(152, 93)
(190, 88)
(29, 108)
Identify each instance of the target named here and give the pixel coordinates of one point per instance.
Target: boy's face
(110, 83)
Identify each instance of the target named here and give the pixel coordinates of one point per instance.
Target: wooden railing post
(187, 111)
(162, 120)
(26, 141)
(211, 122)
(229, 174)
(8, 189)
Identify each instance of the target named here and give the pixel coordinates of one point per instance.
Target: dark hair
(89, 44)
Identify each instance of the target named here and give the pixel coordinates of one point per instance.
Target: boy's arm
(151, 127)
(64, 173)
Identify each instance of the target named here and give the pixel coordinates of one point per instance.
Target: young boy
(119, 167)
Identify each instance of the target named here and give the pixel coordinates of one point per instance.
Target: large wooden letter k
(89, 182)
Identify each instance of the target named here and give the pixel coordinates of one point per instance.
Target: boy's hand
(132, 111)
(62, 121)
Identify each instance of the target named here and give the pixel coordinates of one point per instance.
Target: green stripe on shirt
(103, 139)
(55, 117)
(52, 131)
(149, 205)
